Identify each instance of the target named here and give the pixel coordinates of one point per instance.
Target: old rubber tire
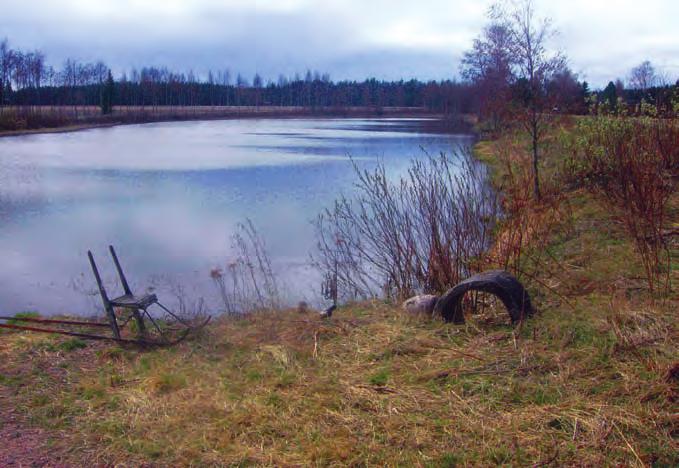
(497, 282)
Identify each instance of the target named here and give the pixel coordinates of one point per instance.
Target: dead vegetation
(248, 283)
(423, 232)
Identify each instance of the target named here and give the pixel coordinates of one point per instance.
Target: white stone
(421, 305)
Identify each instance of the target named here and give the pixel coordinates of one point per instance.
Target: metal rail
(76, 334)
(102, 337)
(63, 322)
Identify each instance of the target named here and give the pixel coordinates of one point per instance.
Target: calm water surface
(169, 197)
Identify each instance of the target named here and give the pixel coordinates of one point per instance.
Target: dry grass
(371, 386)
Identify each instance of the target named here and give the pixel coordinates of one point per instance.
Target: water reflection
(169, 196)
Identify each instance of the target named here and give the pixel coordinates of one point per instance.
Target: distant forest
(27, 80)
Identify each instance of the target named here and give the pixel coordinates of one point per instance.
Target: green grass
(380, 378)
(72, 345)
(21, 315)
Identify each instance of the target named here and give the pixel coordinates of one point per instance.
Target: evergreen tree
(107, 95)
(610, 95)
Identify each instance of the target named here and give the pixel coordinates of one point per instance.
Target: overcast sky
(387, 39)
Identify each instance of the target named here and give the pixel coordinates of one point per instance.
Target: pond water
(170, 195)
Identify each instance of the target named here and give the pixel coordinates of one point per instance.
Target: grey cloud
(353, 39)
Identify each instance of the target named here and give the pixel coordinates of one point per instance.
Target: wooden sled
(149, 330)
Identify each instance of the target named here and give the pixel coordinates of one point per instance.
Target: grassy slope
(583, 383)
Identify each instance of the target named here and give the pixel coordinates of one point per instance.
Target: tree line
(444, 96)
(26, 80)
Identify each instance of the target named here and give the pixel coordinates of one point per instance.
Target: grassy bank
(591, 380)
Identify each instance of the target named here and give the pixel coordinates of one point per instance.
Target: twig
(628, 444)
(542, 283)
(315, 354)
(575, 428)
(378, 388)
(549, 461)
(669, 233)
(483, 371)
(457, 352)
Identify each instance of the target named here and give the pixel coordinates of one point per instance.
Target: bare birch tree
(535, 65)
(643, 76)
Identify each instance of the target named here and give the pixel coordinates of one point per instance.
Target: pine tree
(107, 95)
(610, 95)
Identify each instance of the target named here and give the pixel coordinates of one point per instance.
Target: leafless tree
(643, 76)
(565, 91)
(18, 71)
(99, 72)
(70, 79)
(535, 65)
(489, 66)
(619, 87)
(257, 85)
(225, 81)
(5, 69)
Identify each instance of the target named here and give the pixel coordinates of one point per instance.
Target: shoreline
(127, 116)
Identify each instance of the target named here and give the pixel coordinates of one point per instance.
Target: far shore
(69, 119)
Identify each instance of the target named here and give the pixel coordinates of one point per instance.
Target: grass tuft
(166, 382)
(72, 345)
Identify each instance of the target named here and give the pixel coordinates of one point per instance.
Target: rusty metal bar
(78, 335)
(173, 315)
(64, 322)
(88, 336)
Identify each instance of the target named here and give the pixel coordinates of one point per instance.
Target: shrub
(527, 225)
(422, 233)
(248, 283)
(632, 164)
